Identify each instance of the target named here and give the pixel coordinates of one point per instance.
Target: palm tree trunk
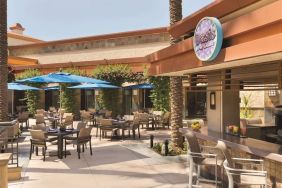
(3, 61)
(176, 95)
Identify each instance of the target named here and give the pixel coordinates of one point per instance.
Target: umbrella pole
(60, 103)
(12, 102)
(144, 99)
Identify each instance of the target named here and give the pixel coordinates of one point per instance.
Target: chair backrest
(106, 122)
(40, 126)
(143, 116)
(85, 116)
(108, 114)
(194, 146)
(23, 116)
(39, 118)
(68, 120)
(40, 111)
(52, 109)
(158, 113)
(84, 132)
(222, 146)
(67, 114)
(37, 135)
(81, 125)
(92, 110)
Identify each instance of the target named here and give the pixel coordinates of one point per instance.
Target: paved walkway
(118, 164)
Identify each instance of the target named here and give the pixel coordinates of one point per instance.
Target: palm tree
(176, 95)
(3, 61)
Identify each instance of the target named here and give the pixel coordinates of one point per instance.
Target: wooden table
(61, 135)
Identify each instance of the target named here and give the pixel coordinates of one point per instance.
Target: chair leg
(83, 148)
(78, 147)
(30, 152)
(133, 132)
(44, 152)
(139, 132)
(90, 146)
(65, 148)
(36, 150)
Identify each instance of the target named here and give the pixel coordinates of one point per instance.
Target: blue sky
(59, 19)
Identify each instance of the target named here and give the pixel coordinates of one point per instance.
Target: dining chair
(238, 172)
(135, 125)
(40, 119)
(84, 136)
(41, 111)
(108, 114)
(52, 109)
(144, 119)
(39, 139)
(202, 156)
(86, 117)
(23, 118)
(68, 121)
(106, 125)
(92, 110)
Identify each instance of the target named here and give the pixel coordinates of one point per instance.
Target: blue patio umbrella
(19, 87)
(141, 86)
(94, 86)
(61, 77)
(51, 88)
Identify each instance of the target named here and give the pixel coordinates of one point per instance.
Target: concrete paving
(128, 163)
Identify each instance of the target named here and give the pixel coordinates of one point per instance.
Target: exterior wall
(131, 51)
(15, 42)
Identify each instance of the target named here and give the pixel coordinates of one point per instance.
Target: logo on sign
(208, 39)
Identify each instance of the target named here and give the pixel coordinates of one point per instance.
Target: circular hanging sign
(208, 38)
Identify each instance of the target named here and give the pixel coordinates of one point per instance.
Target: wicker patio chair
(106, 125)
(244, 173)
(201, 156)
(40, 119)
(23, 118)
(68, 121)
(39, 139)
(81, 140)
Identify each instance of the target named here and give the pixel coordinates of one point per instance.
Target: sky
(60, 19)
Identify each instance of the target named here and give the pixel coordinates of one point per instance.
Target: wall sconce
(135, 92)
(212, 100)
(96, 92)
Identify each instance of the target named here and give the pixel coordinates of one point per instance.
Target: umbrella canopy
(94, 86)
(52, 88)
(140, 86)
(62, 77)
(20, 87)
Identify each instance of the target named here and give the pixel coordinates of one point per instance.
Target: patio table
(61, 134)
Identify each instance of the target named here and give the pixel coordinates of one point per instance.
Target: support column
(4, 159)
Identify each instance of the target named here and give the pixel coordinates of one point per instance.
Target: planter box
(14, 173)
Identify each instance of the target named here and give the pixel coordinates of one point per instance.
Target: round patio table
(61, 134)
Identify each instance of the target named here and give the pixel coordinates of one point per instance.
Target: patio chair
(68, 121)
(144, 119)
(40, 126)
(108, 114)
(3, 139)
(106, 125)
(202, 156)
(166, 120)
(41, 111)
(23, 118)
(242, 176)
(52, 109)
(39, 139)
(135, 124)
(92, 110)
(39, 119)
(84, 136)
(86, 117)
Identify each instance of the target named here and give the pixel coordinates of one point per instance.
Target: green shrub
(117, 75)
(160, 93)
(31, 96)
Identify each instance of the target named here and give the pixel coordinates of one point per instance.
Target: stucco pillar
(4, 159)
(227, 103)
